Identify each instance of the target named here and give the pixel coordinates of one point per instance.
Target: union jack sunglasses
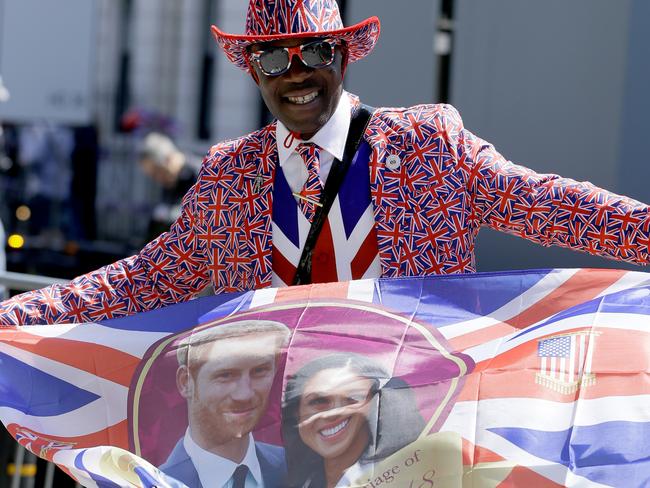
(276, 60)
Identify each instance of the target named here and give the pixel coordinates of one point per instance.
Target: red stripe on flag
(308, 292)
(116, 435)
(365, 256)
(473, 454)
(282, 267)
(522, 476)
(583, 286)
(102, 361)
(481, 336)
(323, 259)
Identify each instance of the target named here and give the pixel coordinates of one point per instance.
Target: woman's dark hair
(393, 424)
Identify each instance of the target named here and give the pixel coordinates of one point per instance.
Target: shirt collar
(215, 470)
(331, 137)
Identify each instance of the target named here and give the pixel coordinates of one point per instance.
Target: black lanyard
(358, 125)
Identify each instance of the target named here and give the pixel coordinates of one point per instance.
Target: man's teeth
(302, 100)
(334, 430)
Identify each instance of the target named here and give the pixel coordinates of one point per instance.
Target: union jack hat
(269, 20)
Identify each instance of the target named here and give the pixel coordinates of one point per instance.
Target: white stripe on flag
(342, 249)
(285, 246)
(538, 291)
(572, 360)
(500, 345)
(132, 342)
(86, 420)
(462, 328)
(553, 367)
(581, 360)
(108, 410)
(553, 471)
(591, 344)
(631, 279)
(544, 415)
(263, 296)
(67, 457)
(361, 290)
(374, 270)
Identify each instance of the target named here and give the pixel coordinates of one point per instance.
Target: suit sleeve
(547, 208)
(170, 269)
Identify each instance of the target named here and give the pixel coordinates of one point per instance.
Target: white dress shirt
(330, 138)
(216, 472)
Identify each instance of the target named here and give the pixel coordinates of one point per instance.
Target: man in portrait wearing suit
(333, 190)
(225, 373)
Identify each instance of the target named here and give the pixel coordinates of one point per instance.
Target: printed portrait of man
(225, 374)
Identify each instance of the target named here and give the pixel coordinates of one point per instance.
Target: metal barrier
(24, 467)
(26, 282)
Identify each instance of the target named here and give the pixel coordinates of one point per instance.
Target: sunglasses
(276, 60)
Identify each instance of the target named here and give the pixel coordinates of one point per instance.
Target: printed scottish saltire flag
(530, 378)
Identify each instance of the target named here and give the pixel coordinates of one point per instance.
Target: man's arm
(548, 209)
(170, 269)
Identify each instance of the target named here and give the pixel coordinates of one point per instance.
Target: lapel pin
(257, 184)
(393, 162)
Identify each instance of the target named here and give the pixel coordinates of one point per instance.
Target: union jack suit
(433, 185)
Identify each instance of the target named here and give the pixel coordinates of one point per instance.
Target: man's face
(282, 94)
(228, 393)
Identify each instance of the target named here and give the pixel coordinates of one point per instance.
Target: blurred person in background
(175, 171)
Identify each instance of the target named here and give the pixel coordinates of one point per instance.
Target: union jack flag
(71, 392)
(347, 245)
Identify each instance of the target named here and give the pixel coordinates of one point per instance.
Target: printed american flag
(65, 388)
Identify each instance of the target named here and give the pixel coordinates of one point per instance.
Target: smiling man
(304, 100)
(334, 190)
(225, 373)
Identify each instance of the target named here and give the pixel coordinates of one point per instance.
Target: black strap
(358, 125)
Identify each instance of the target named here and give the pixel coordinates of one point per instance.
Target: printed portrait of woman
(341, 414)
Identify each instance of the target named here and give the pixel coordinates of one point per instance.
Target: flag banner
(523, 378)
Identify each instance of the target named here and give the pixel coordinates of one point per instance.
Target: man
(417, 190)
(175, 171)
(225, 373)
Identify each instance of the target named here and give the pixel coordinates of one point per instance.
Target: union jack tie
(312, 189)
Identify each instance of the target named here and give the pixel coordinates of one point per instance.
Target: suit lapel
(388, 191)
(239, 203)
(180, 466)
(252, 209)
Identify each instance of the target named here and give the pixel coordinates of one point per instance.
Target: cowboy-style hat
(270, 20)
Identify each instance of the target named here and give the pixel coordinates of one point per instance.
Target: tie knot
(308, 151)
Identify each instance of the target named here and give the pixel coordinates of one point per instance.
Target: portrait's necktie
(309, 196)
(239, 476)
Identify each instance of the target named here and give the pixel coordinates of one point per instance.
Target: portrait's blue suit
(179, 465)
